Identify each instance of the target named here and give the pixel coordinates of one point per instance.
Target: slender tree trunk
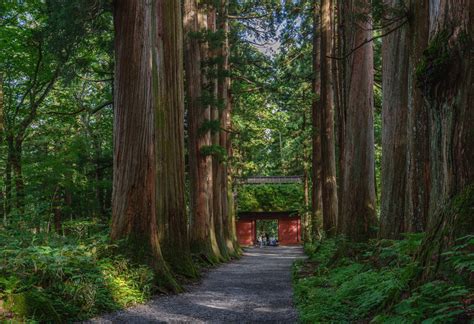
(224, 137)
(57, 213)
(316, 190)
(3, 214)
(134, 196)
(444, 74)
(394, 130)
(358, 192)
(328, 154)
(8, 176)
(168, 98)
(202, 227)
(418, 180)
(215, 83)
(341, 104)
(17, 167)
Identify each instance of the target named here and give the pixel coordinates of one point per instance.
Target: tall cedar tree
(394, 126)
(218, 196)
(203, 239)
(168, 100)
(134, 196)
(418, 172)
(224, 99)
(328, 152)
(357, 213)
(316, 192)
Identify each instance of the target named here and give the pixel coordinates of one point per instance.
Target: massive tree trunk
(316, 189)
(168, 95)
(328, 153)
(203, 239)
(444, 75)
(418, 180)
(358, 192)
(394, 127)
(134, 181)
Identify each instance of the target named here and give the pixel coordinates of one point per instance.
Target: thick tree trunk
(134, 200)
(394, 130)
(358, 192)
(316, 189)
(328, 154)
(168, 98)
(445, 76)
(418, 180)
(203, 239)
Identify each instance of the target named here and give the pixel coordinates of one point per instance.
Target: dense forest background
(118, 177)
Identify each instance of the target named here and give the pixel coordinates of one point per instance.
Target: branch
(368, 41)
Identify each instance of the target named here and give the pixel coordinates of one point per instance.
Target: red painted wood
(289, 231)
(246, 232)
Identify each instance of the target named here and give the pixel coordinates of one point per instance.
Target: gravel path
(256, 288)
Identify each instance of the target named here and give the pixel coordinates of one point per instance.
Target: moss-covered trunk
(444, 74)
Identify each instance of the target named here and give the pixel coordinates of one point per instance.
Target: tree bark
(358, 192)
(328, 154)
(316, 189)
(3, 214)
(225, 126)
(215, 85)
(418, 177)
(444, 75)
(168, 98)
(134, 180)
(395, 47)
(203, 239)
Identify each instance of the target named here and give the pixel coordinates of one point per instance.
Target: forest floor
(257, 287)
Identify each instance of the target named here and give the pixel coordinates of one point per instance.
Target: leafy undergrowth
(342, 282)
(51, 278)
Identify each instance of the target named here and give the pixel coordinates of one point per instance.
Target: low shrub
(375, 283)
(50, 278)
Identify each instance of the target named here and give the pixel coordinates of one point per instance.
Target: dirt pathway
(256, 288)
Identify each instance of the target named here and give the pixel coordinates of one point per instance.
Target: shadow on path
(255, 288)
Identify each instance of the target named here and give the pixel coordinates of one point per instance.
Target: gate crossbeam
(270, 180)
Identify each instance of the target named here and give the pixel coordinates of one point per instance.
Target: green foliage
(216, 151)
(45, 277)
(214, 126)
(270, 197)
(373, 281)
(435, 61)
